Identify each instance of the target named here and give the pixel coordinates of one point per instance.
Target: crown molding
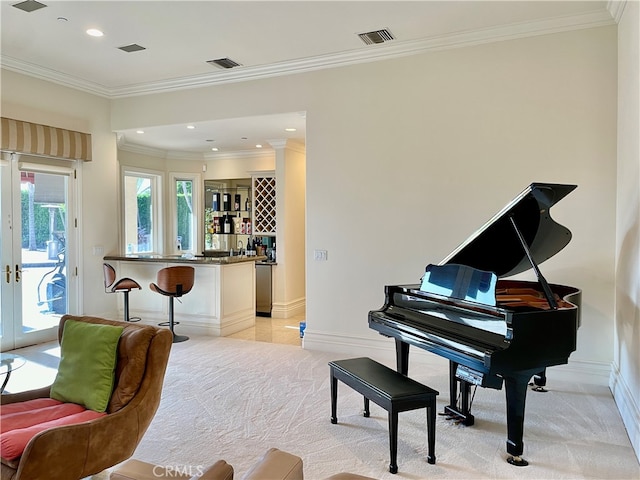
(371, 54)
(616, 8)
(25, 68)
(178, 155)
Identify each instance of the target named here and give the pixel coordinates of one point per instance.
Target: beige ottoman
(138, 470)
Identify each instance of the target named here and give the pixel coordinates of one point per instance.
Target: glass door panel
(35, 206)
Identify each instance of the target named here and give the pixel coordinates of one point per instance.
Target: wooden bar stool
(124, 285)
(174, 282)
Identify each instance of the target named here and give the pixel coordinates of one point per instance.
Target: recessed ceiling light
(258, 146)
(214, 149)
(94, 32)
(139, 131)
(63, 19)
(191, 127)
(290, 129)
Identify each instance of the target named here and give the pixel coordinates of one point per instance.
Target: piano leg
(402, 357)
(516, 394)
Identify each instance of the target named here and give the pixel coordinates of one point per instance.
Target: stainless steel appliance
(263, 289)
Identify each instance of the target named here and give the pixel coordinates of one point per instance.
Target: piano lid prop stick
(543, 282)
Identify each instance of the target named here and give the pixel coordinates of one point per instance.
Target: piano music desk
(389, 389)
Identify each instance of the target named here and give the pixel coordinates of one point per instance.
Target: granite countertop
(186, 258)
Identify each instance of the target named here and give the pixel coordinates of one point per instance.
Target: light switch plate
(320, 255)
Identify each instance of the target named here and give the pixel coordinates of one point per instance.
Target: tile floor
(273, 330)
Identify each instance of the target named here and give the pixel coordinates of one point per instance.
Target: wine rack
(264, 201)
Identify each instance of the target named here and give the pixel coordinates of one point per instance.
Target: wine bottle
(227, 224)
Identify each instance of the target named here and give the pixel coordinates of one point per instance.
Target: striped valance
(34, 139)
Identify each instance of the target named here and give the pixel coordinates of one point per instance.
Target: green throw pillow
(88, 356)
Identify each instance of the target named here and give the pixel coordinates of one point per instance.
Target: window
(185, 210)
(142, 224)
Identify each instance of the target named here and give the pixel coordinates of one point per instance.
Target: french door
(38, 283)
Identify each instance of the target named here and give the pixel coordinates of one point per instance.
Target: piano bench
(389, 389)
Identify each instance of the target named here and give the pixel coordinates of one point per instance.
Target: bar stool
(124, 285)
(174, 282)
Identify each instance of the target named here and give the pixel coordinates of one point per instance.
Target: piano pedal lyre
(517, 461)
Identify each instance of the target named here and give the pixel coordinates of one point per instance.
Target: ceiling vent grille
(224, 63)
(29, 6)
(134, 47)
(377, 36)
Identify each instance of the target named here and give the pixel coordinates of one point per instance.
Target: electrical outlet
(320, 255)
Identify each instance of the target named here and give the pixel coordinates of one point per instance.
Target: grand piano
(493, 330)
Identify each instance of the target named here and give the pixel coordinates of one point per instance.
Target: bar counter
(187, 258)
(222, 301)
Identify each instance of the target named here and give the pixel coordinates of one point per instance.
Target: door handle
(8, 273)
(18, 272)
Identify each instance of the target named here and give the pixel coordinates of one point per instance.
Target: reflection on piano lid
(461, 282)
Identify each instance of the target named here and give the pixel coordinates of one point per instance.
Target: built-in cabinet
(228, 221)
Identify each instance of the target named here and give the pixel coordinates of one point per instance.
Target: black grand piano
(492, 330)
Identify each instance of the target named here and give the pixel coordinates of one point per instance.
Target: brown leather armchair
(72, 452)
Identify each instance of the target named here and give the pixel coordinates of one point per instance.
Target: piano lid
(496, 247)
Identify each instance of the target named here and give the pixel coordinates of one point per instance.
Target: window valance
(35, 139)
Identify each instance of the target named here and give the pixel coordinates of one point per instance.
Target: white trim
(157, 178)
(288, 309)
(196, 181)
(627, 406)
(376, 53)
(584, 372)
(175, 155)
(616, 9)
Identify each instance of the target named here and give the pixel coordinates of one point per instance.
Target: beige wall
(289, 274)
(625, 378)
(407, 157)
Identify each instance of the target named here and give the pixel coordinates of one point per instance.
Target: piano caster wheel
(334, 420)
(517, 461)
(393, 468)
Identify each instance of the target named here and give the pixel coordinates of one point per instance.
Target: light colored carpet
(233, 399)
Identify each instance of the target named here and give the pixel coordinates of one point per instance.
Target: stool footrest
(168, 324)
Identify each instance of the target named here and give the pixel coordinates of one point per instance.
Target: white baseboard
(384, 348)
(628, 407)
(289, 309)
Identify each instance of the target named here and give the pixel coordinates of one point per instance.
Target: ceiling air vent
(29, 6)
(134, 47)
(377, 36)
(224, 63)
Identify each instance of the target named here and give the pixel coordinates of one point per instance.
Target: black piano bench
(389, 389)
